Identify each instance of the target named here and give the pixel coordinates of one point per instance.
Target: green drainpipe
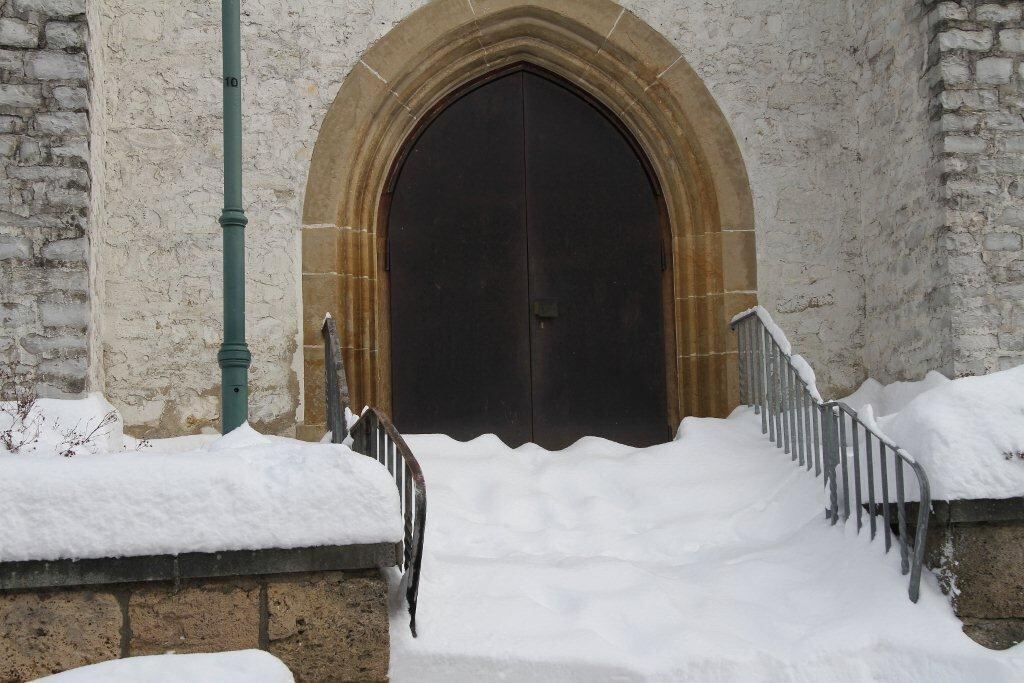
(234, 357)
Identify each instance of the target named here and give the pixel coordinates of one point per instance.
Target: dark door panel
(595, 250)
(525, 265)
(460, 348)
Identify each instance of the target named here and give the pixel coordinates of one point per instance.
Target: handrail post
(790, 420)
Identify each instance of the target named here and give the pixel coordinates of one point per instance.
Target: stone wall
(44, 205)
(326, 626)
(976, 548)
(907, 319)
(782, 74)
(981, 100)
(160, 245)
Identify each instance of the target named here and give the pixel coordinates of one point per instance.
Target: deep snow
(968, 433)
(707, 558)
(243, 666)
(242, 491)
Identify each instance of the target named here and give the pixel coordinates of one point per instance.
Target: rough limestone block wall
(981, 96)
(44, 204)
(782, 73)
(159, 248)
(325, 626)
(907, 327)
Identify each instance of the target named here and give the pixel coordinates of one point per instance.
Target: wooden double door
(526, 270)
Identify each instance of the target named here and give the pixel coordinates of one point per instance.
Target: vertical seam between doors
(526, 237)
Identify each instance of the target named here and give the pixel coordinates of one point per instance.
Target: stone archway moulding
(606, 51)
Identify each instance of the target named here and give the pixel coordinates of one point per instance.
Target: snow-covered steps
(707, 558)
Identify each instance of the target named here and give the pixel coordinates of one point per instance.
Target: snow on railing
(373, 435)
(830, 437)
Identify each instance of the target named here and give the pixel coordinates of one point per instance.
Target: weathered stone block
(12, 247)
(1002, 241)
(8, 145)
(1003, 121)
(952, 10)
(64, 315)
(63, 372)
(998, 13)
(11, 124)
(994, 70)
(329, 627)
(18, 33)
(955, 122)
(12, 60)
(954, 70)
(77, 150)
(20, 95)
(64, 34)
(71, 98)
(972, 99)
(56, 66)
(63, 123)
(72, 199)
(43, 633)
(964, 144)
(57, 8)
(959, 39)
(1012, 39)
(47, 347)
(50, 174)
(209, 617)
(70, 250)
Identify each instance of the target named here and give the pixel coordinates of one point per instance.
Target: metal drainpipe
(234, 357)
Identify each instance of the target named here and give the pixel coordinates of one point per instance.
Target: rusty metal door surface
(525, 259)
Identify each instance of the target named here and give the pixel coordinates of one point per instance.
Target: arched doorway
(527, 270)
(616, 59)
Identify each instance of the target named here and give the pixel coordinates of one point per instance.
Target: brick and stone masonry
(980, 99)
(44, 205)
(326, 626)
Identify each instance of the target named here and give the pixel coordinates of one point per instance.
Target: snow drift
(708, 558)
(242, 666)
(241, 491)
(968, 433)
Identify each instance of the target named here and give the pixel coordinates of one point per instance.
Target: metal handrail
(375, 436)
(815, 432)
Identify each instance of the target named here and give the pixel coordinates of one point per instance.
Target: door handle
(545, 309)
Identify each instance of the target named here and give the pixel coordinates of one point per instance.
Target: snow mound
(968, 434)
(51, 418)
(886, 399)
(243, 436)
(243, 491)
(243, 666)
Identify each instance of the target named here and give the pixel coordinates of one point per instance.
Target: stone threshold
(36, 574)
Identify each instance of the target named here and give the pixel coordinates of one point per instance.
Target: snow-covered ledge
(110, 547)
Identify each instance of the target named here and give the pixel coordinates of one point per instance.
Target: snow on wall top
(243, 491)
(968, 433)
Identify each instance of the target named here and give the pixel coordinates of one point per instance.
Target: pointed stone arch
(602, 49)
